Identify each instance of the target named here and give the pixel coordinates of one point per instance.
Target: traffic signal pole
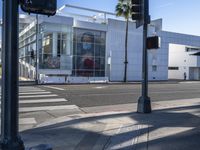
(37, 49)
(144, 102)
(10, 139)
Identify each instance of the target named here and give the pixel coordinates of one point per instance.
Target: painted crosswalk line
(37, 96)
(55, 88)
(29, 91)
(47, 108)
(42, 101)
(34, 93)
(37, 101)
(27, 121)
(34, 90)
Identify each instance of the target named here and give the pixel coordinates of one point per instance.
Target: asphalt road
(110, 94)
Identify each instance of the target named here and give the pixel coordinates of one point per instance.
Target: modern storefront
(184, 62)
(64, 51)
(84, 51)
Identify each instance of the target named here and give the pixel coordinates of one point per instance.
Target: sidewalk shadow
(69, 135)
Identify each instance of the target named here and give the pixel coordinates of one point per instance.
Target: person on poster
(86, 60)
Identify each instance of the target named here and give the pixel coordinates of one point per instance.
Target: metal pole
(37, 50)
(10, 139)
(144, 102)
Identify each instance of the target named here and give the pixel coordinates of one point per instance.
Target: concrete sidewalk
(173, 125)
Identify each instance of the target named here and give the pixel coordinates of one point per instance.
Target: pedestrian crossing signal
(153, 42)
(44, 7)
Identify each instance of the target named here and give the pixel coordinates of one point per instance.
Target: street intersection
(102, 116)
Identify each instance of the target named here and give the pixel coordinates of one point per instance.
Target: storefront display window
(54, 51)
(89, 53)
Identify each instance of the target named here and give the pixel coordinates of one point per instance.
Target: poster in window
(85, 52)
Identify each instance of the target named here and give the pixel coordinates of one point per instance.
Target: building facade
(71, 50)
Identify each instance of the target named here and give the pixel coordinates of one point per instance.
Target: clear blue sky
(178, 15)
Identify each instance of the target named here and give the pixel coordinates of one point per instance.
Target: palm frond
(123, 8)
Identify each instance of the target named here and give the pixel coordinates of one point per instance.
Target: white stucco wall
(171, 52)
(174, 46)
(178, 57)
(185, 61)
(116, 46)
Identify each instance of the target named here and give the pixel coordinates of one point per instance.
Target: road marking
(35, 93)
(107, 94)
(42, 101)
(55, 88)
(26, 121)
(24, 91)
(100, 87)
(47, 108)
(36, 96)
(190, 82)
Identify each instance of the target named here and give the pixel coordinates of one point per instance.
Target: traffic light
(45, 7)
(137, 9)
(153, 42)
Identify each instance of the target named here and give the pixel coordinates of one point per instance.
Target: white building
(184, 61)
(82, 49)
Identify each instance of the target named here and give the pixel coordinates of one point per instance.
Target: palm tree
(123, 9)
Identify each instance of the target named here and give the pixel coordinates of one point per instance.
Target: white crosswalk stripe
(35, 93)
(34, 90)
(26, 121)
(42, 101)
(36, 99)
(37, 96)
(47, 108)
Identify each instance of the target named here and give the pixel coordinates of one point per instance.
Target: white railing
(86, 14)
(26, 70)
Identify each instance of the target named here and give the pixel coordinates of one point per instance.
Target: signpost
(10, 139)
(144, 102)
(140, 13)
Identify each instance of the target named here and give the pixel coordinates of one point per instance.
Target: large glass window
(55, 51)
(89, 53)
(62, 43)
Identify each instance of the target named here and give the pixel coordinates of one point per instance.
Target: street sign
(137, 12)
(44, 7)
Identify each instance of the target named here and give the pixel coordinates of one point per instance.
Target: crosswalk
(34, 99)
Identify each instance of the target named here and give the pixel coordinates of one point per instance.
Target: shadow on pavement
(169, 129)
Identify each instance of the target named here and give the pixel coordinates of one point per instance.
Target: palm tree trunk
(126, 52)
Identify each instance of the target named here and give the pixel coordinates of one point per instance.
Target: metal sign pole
(10, 139)
(144, 102)
(37, 49)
